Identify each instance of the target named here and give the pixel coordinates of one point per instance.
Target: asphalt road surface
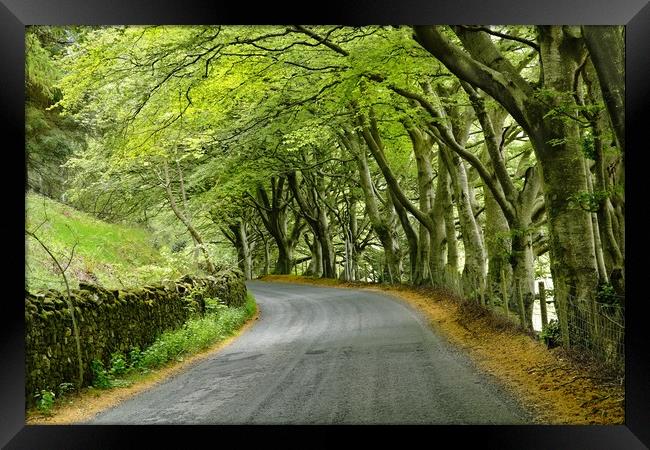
(327, 356)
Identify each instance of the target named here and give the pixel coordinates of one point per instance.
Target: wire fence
(595, 327)
(593, 324)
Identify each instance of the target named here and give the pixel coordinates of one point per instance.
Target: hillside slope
(112, 255)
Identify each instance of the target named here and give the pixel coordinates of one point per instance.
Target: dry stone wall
(111, 321)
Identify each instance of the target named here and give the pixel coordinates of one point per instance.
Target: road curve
(326, 356)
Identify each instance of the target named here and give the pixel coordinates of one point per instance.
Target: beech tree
(547, 112)
(457, 157)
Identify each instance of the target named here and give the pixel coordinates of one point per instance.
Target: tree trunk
(353, 228)
(422, 150)
(325, 240)
(498, 244)
(450, 223)
(186, 209)
(558, 146)
(412, 241)
(243, 249)
(394, 264)
(273, 213)
(179, 214)
(348, 263)
(267, 257)
(315, 268)
(612, 253)
(316, 217)
(595, 230)
(606, 46)
(380, 224)
(437, 236)
(475, 268)
(284, 263)
(523, 268)
(555, 139)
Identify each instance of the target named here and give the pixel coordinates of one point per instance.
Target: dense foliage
(466, 157)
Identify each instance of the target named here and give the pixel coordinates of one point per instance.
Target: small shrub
(101, 379)
(118, 364)
(607, 299)
(155, 355)
(551, 334)
(45, 401)
(214, 306)
(135, 358)
(606, 293)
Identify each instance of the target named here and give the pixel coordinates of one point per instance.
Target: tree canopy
(474, 158)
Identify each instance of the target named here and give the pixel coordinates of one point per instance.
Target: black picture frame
(16, 14)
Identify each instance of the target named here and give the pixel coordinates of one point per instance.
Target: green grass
(112, 255)
(196, 335)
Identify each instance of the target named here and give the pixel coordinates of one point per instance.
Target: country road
(326, 356)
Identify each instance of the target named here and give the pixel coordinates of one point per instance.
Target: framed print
(469, 151)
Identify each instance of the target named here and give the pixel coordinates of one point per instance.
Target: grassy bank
(138, 370)
(112, 255)
(557, 388)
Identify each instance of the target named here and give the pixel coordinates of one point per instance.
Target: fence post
(542, 303)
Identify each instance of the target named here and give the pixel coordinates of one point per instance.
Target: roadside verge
(81, 406)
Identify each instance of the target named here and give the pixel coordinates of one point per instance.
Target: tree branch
(501, 35)
(323, 40)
